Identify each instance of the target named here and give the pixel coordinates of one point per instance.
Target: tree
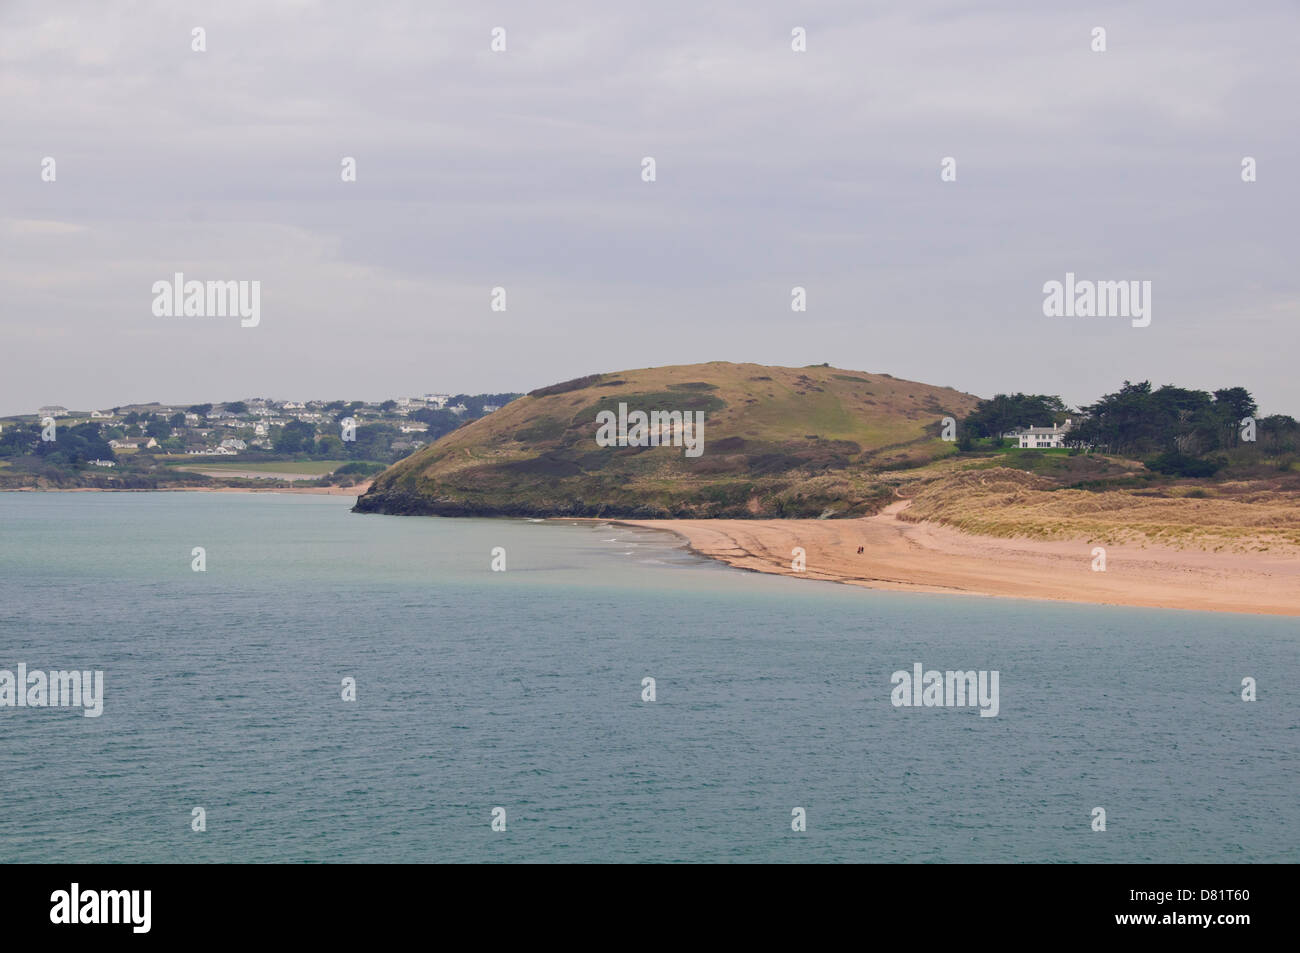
(1006, 412)
(75, 446)
(19, 441)
(1138, 419)
(1236, 402)
(1279, 433)
(157, 427)
(296, 436)
(373, 442)
(1233, 404)
(329, 446)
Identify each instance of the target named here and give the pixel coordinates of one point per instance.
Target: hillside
(777, 442)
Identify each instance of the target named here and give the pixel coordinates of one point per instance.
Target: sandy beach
(357, 490)
(928, 557)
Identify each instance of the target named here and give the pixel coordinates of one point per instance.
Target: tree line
(1139, 420)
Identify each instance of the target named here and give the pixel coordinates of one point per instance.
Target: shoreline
(928, 557)
(357, 490)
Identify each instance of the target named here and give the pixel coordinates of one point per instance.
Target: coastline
(356, 490)
(929, 557)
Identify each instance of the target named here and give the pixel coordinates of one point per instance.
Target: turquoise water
(522, 689)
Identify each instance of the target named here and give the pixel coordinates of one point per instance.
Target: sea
(506, 714)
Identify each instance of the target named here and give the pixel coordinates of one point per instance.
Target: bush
(360, 468)
(578, 383)
(1172, 463)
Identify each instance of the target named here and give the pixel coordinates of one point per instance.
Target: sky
(522, 169)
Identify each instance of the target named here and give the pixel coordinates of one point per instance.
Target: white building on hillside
(1043, 438)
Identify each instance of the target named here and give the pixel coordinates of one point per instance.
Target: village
(253, 431)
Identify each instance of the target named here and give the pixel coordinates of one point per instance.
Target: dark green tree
(296, 436)
(1007, 412)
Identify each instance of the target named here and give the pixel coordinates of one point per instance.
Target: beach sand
(928, 557)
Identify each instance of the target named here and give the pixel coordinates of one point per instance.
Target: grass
(1012, 503)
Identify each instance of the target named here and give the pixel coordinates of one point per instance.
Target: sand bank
(928, 557)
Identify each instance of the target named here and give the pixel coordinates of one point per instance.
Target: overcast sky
(522, 169)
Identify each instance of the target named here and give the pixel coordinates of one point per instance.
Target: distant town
(149, 445)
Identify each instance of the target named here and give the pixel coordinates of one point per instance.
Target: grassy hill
(778, 442)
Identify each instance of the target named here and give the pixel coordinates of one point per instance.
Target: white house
(1043, 438)
(234, 444)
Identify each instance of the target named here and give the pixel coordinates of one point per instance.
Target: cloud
(522, 169)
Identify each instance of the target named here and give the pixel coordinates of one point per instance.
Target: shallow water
(523, 689)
